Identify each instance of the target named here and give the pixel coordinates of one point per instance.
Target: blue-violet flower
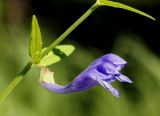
(103, 71)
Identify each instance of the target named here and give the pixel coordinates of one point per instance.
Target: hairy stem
(15, 82)
(70, 29)
(20, 77)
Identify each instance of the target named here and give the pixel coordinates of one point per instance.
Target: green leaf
(123, 6)
(35, 41)
(58, 53)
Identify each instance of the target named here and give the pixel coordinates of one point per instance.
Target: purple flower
(103, 71)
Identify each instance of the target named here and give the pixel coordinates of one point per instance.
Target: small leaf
(56, 54)
(35, 41)
(123, 6)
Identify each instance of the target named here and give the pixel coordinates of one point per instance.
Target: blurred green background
(133, 37)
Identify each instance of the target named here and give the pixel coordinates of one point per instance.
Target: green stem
(19, 78)
(70, 29)
(14, 83)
